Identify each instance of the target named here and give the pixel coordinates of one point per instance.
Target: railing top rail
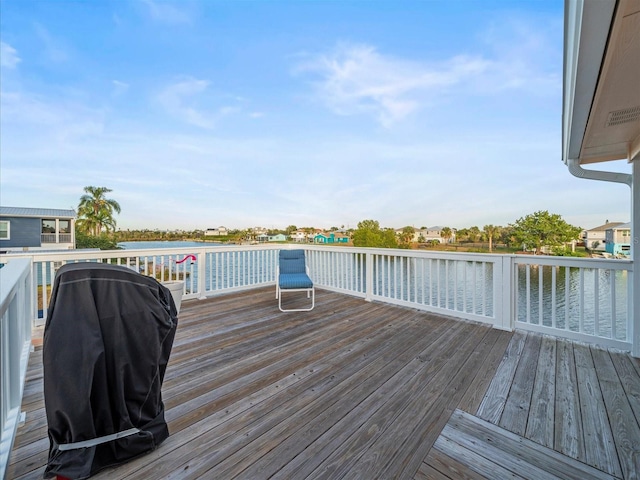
(604, 263)
(89, 254)
(12, 273)
(62, 255)
(400, 252)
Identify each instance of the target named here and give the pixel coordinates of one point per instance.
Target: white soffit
(613, 126)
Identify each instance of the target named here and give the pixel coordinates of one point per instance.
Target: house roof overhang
(36, 212)
(601, 104)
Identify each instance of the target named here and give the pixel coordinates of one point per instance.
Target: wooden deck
(367, 390)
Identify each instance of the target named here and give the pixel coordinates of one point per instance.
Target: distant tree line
(96, 228)
(532, 232)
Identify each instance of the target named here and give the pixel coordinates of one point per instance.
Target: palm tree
(474, 234)
(95, 212)
(446, 234)
(406, 237)
(491, 231)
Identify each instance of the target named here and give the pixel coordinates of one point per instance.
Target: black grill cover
(106, 345)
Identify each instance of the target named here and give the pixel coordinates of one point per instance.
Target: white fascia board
(587, 24)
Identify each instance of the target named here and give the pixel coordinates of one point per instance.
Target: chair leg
(311, 293)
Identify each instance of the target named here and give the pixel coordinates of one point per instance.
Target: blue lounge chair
(293, 276)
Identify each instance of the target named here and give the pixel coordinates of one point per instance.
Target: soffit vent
(625, 115)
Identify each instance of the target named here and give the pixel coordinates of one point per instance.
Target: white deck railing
(15, 340)
(581, 299)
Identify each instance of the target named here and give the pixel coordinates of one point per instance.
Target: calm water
(165, 244)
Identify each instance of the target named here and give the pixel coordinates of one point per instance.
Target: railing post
(634, 278)
(504, 288)
(510, 286)
(369, 277)
(15, 342)
(202, 273)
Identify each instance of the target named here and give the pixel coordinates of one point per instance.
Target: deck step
(476, 445)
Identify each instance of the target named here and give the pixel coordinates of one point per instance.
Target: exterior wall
(622, 236)
(299, 237)
(427, 235)
(591, 237)
(278, 238)
(609, 241)
(323, 238)
(25, 232)
(215, 232)
(618, 241)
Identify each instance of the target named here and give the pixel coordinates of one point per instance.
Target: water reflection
(575, 299)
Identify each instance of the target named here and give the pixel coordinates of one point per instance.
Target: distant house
(323, 238)
(24, 229)
(299, 236)
(595, 238)
(429, 234)
(341, 237)
(280, 237)
(618, 240)
(216, 232)
(331, 237)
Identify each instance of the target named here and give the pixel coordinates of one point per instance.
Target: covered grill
(107, 341)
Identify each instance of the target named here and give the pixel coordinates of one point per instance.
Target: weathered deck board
(630, 380)
(516, 408)
(365, 390)
(288, 417)
(387, 456)
(438, 465)
(540, 425)
(624, 425)
(493, 403)
(476, 391)
(280, 457)
(427, 431)
(498, 453)
(595, 422)
(569, 438)
(581, 396)
(355, 433)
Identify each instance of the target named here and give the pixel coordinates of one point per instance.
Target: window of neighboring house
(5, 230)
(48, 226)
(65, 226)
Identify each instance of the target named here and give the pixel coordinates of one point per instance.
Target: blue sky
(199, 114)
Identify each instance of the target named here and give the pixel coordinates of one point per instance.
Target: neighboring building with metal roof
(618, 240)
(595, 238)
(23, 229)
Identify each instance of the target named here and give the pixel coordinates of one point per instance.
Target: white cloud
(525, 56)
(119, 88)
(357, 79)
(166, 13)
(53, 48)
(177, 99)
(516, 56)
(8, 56)
(184, 100)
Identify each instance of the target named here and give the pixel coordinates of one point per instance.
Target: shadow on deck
(368, 390)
